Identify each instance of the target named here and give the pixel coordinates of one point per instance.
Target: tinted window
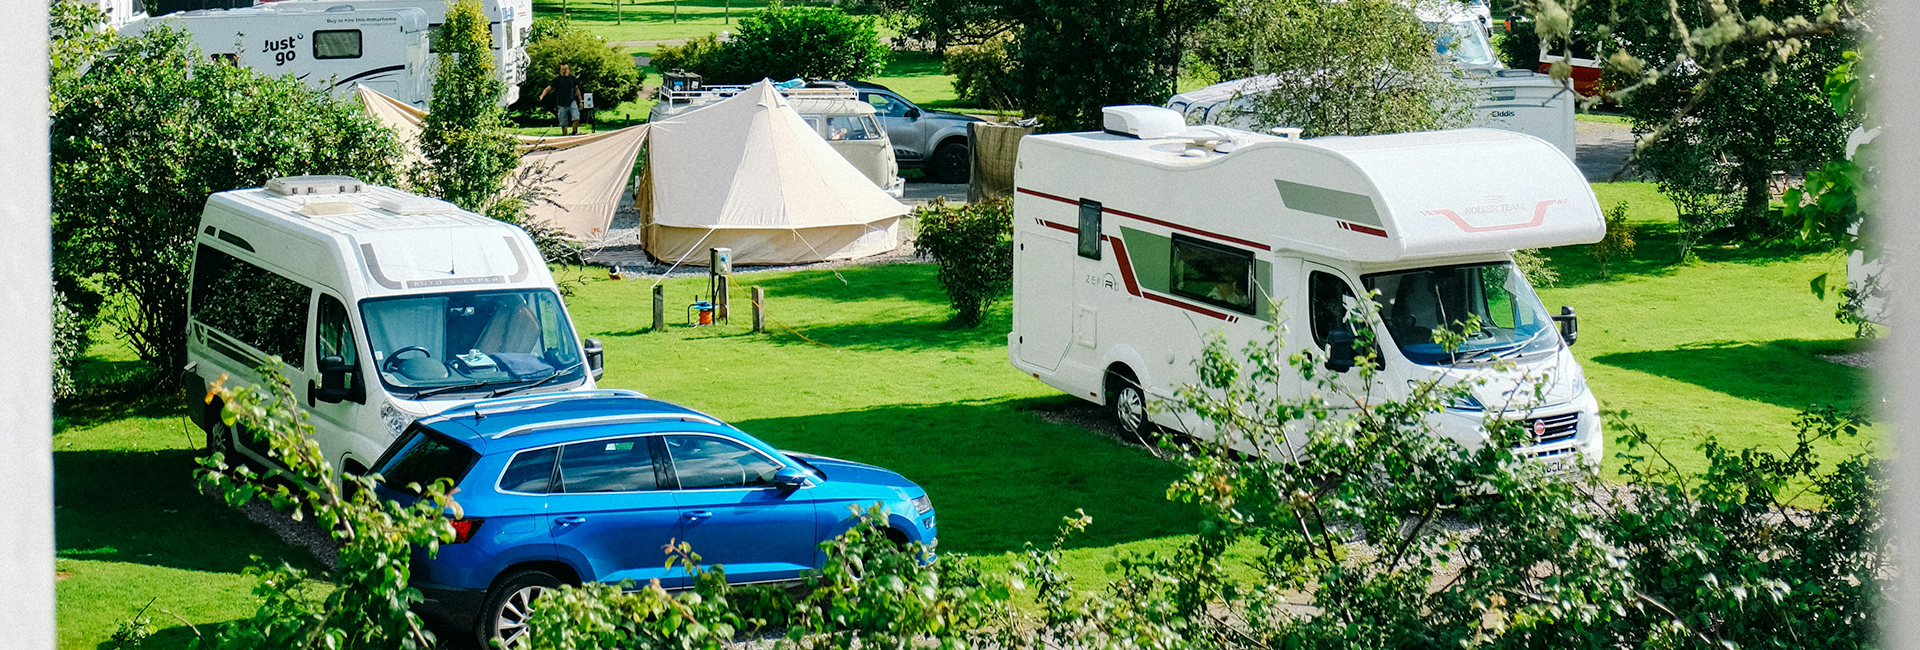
(1090, 229)
(333, 333)
(336, 44)
(530, 471)
(624, 465)
(1328, 297)
(261, 308)
(1212, 273)
(851, 127)
(709, 462)
(427, 457)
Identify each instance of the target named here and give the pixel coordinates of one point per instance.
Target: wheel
(950, 163)
(1130, 408)
(503, 619)
(220, 438)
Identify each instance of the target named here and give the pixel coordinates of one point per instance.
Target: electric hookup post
(719, 275)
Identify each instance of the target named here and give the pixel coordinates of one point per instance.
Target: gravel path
(1600, 148)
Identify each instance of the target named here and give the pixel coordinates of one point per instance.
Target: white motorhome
(1521, 101)
(121, 12)
(1133, 244)
(383, 307)
(512, 23)
(334, 49)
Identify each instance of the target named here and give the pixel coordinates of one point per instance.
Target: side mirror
(1569, 325)
(596, 358)
(1340, 350)
(789, 479)
(913, 113)
(335, 386)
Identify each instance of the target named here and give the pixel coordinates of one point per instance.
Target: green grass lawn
(861, 364)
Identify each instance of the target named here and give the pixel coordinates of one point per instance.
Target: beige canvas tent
(585, 173)
(749, 174)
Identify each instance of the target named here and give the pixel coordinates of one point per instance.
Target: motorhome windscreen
(1512, 323)
(465, 342)
(1464, 42)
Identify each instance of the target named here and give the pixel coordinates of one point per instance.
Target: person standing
(566, 99)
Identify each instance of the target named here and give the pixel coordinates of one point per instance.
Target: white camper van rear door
(1043, 292)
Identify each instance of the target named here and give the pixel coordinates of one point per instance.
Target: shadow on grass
(145, 507)
(1785, 373)
(1000, 476)
(179, 636)
(1657, 253)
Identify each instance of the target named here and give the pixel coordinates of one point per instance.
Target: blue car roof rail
(491, 406)
(627, 418)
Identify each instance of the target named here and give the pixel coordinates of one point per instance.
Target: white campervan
(336, 50)
(511, 22)
(382, 307)
(1133, 244)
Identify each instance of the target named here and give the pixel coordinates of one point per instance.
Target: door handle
(569, 521)
(698, 515)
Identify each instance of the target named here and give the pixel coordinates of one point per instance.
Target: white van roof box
(1143, 122)
(311, 184)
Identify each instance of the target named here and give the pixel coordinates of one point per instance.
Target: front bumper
(1565, 432)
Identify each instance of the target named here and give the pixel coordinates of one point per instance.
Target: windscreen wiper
(543, 381)
(448, 389)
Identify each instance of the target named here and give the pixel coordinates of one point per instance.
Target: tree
(602, 69)
(145, 134)
(1337, 68)
(785, 42)
(469, 151)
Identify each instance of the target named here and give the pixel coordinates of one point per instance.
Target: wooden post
(721, 294)
(659, 308)
(759, 310)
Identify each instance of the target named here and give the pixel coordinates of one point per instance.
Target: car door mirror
(913, 113)
(1340, 350)
(596, 358)
(339, 382)
(1569, 325)
(790, 478)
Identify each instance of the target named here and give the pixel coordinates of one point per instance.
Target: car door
(733, 516)
(908, 143)
(608, 507)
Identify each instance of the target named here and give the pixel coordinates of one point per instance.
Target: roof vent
(1143, 122)
(328, 208)
(302, 185)
(416, 205)
(1288, 132)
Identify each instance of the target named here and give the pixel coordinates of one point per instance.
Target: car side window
(619, 465)
(530, 472)
(1329, 298)
(884, 105)
(711, 462)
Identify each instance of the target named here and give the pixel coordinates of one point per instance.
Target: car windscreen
(460, 343)
(1511, 322)
(424, 457)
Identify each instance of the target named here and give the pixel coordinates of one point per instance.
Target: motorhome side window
(333, 332)
(259, 307)
(1090, 229)
(1329, 298)
(1213, 274)
(336, 44)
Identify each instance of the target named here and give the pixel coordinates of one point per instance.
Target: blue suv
(591, 486)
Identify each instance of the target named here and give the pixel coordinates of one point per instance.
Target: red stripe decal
(1539, 217)
(1126, 265)
(1151, 220)
(1198, 310)
(1366, 230)
(1058, 226)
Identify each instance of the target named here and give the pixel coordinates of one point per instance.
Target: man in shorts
(566, 99)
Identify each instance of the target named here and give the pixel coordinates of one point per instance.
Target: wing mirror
(339, 382)
(596, 358)
(1569, 325)
(1340, 350)
(789, 479)
(913, 113)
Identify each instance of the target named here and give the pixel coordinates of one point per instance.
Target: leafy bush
(145, 133)
(1535, 267)
(1617, 243)
(701, 56)
(982, 74)
(551, 26)
(602, 69)
(973, 246)
(783, 42)
(469, 151)
(70, 340)
(1691, 173)
(1520, 48)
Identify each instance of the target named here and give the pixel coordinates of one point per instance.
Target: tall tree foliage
(144, 131)
(1352, 67)
(469, 151)
(783, 42)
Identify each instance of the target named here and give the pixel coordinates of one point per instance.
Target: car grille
(1554, 430)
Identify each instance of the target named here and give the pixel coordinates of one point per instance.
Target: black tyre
(950, 164)
(1128, 403)
(503, 616)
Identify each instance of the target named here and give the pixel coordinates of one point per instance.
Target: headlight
(1460, 402)
(1579, 384)
(923, 503)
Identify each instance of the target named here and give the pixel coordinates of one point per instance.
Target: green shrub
(551, 26)
(602, 69)
(982, 74)
(1617, 243)
(973, 246)
(784, 42)
(701, 56)
(70, 340)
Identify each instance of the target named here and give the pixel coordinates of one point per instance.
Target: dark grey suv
(932, 141)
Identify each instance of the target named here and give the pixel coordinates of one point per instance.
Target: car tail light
(464, 529)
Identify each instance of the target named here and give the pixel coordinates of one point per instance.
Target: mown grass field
(860, 363)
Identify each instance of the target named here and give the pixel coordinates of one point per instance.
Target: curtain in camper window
(396, 324)
(336, 44)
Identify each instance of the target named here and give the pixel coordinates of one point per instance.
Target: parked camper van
(512, 23)
(835, 111)
(328, 49)
(1133, 244)
(382, 306)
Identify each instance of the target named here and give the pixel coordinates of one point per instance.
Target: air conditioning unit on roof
(304, 185)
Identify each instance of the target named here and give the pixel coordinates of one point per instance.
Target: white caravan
(1133, 244)
(512, 23)
(1521, 101)
(383, 307)
(121, 12)
(336, 50)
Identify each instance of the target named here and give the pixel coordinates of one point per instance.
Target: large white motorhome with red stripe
(1134, 243)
